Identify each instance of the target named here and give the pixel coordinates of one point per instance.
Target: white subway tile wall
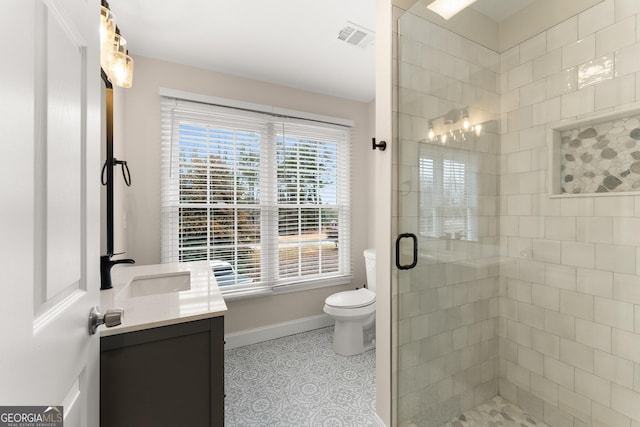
(590, 295)
(544, 307)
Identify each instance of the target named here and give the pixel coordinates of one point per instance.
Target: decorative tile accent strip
(602, 157)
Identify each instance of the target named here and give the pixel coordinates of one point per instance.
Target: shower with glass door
(517, 171)
(447, 186)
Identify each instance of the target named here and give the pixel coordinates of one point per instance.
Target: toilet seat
(351, 299)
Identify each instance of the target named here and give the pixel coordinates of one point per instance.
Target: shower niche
(596, 156)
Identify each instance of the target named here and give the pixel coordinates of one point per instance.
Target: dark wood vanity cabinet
(166, 376)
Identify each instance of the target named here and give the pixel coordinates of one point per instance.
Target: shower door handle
(414, 238)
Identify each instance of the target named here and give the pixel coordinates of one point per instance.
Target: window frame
(268, 209)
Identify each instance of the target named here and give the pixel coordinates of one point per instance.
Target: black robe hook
(382, 145)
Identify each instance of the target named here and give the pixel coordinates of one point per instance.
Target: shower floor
(496, 412)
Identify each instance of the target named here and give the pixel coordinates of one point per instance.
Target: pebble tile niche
(602, 157)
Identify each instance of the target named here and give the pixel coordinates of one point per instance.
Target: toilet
(354, 313)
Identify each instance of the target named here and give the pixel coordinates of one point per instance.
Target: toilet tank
(370, 265)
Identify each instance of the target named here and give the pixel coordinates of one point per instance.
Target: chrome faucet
(105, 269)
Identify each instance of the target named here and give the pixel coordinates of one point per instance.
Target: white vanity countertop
(203, 300)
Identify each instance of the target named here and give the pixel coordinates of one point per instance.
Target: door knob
(113, 317)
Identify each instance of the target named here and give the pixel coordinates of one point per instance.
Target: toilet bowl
(354, 314)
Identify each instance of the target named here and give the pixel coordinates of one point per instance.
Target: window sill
(238, 294)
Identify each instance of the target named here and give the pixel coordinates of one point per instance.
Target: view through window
(265, 199)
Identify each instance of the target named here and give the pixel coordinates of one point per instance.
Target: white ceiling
(287, 42)
(500, 10)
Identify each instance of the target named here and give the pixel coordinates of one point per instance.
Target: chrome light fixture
(448, 8)
(447, 129)
(114, 56)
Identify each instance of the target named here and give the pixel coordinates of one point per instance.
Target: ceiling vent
(356, 35)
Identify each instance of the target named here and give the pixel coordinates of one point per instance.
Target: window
(448, 194)
(264, 198)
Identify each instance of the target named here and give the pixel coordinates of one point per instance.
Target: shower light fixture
(114, 56)
(431, 134)
(449, 8)
(447, 131)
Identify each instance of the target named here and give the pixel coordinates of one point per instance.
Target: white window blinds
(264, 198)
(448, 193)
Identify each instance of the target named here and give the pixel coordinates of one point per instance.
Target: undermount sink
(160, 284)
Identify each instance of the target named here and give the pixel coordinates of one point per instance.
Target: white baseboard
(278, 330)
(377, 422)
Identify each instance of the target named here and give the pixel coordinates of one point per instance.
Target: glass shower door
(447, 191)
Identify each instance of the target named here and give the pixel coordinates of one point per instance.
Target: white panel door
(49, 191)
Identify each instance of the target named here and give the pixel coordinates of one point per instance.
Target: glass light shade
(107, 23)
(107, 33)
(119, 44)
(121, 70)
(114, 58)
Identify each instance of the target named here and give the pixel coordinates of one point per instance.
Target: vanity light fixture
(114, 56)
(448, 8)
(447, 131)
(116, 68)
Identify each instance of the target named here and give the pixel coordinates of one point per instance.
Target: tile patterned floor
(497, 412)
(298, 381)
